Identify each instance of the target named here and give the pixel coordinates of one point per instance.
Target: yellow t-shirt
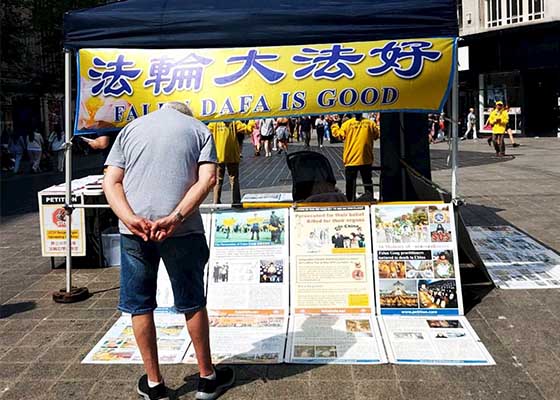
(358, 139)
(498, 128)
(227, 146)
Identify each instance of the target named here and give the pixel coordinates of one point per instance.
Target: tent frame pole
(68, 164)
(69, 294)
(454, 133)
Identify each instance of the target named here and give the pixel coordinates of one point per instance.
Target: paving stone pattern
(42, 343)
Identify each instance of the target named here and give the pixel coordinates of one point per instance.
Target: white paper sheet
(245, 340)
(335, 339)
(515, 260)
(118, 345)
(433, 341)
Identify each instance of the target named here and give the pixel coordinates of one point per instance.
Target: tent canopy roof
(244, 23)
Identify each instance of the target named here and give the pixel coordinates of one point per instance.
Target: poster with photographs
(335, 339)
(118, 345)
(514, 260)
(248, 266)
(330, 253)
(415, 260)
(244, 339)
(433, 341)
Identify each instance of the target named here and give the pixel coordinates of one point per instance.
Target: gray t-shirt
(160, 154)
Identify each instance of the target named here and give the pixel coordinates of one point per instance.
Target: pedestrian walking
(254, 127)
(267, 135)
(471, 125)
(35, 149)
(498, 120)
(17, 147)
(509, 130)
(155, 188)
(320, 125)
(228, 155)
(282, 134)
(56, 146)
(305, 125)
(358, 135)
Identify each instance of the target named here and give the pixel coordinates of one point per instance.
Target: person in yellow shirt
(358, 135)
(228, 155)
(498, 120)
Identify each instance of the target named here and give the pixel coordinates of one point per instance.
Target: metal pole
(454, 132)
(402, 151)
(68, 163)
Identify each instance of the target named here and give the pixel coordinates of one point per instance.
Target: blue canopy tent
(221, 23)
(168, 24)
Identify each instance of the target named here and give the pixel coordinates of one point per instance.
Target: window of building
(536, 9)
(460, 13)
(494, 12)
(514, 11)
(507, 12)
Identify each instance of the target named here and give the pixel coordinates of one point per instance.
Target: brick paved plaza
(42, 343)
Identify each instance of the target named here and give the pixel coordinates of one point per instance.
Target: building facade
(513, 51)
(32, 64)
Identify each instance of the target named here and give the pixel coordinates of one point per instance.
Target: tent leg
(70, 294)
(454, 133)
(402, 154)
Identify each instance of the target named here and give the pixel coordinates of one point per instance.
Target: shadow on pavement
(246, 373)
(7, 310)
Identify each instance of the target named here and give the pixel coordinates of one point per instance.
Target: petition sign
(118, 85)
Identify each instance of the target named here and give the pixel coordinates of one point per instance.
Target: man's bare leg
(145, 334)
(197, 324)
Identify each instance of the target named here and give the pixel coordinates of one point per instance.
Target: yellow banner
(119, 85)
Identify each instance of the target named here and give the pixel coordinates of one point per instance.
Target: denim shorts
(184, 258)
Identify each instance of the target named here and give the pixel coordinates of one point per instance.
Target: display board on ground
(332, 288)
(433, 340)
(118, 345)
(248, 267)
(515, 260)
(245, 339)
(330, 258)
(248, 286)
(298, 286)
(336, 339)
(418, 287)
(415, 260)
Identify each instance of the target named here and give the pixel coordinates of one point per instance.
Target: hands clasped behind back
(152, 230)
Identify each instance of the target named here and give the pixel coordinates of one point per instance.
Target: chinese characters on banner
(119, 85)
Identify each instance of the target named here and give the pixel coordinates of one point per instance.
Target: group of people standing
(37, 149)
(269, 134)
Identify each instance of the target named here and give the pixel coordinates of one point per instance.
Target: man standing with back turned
(160, 169)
